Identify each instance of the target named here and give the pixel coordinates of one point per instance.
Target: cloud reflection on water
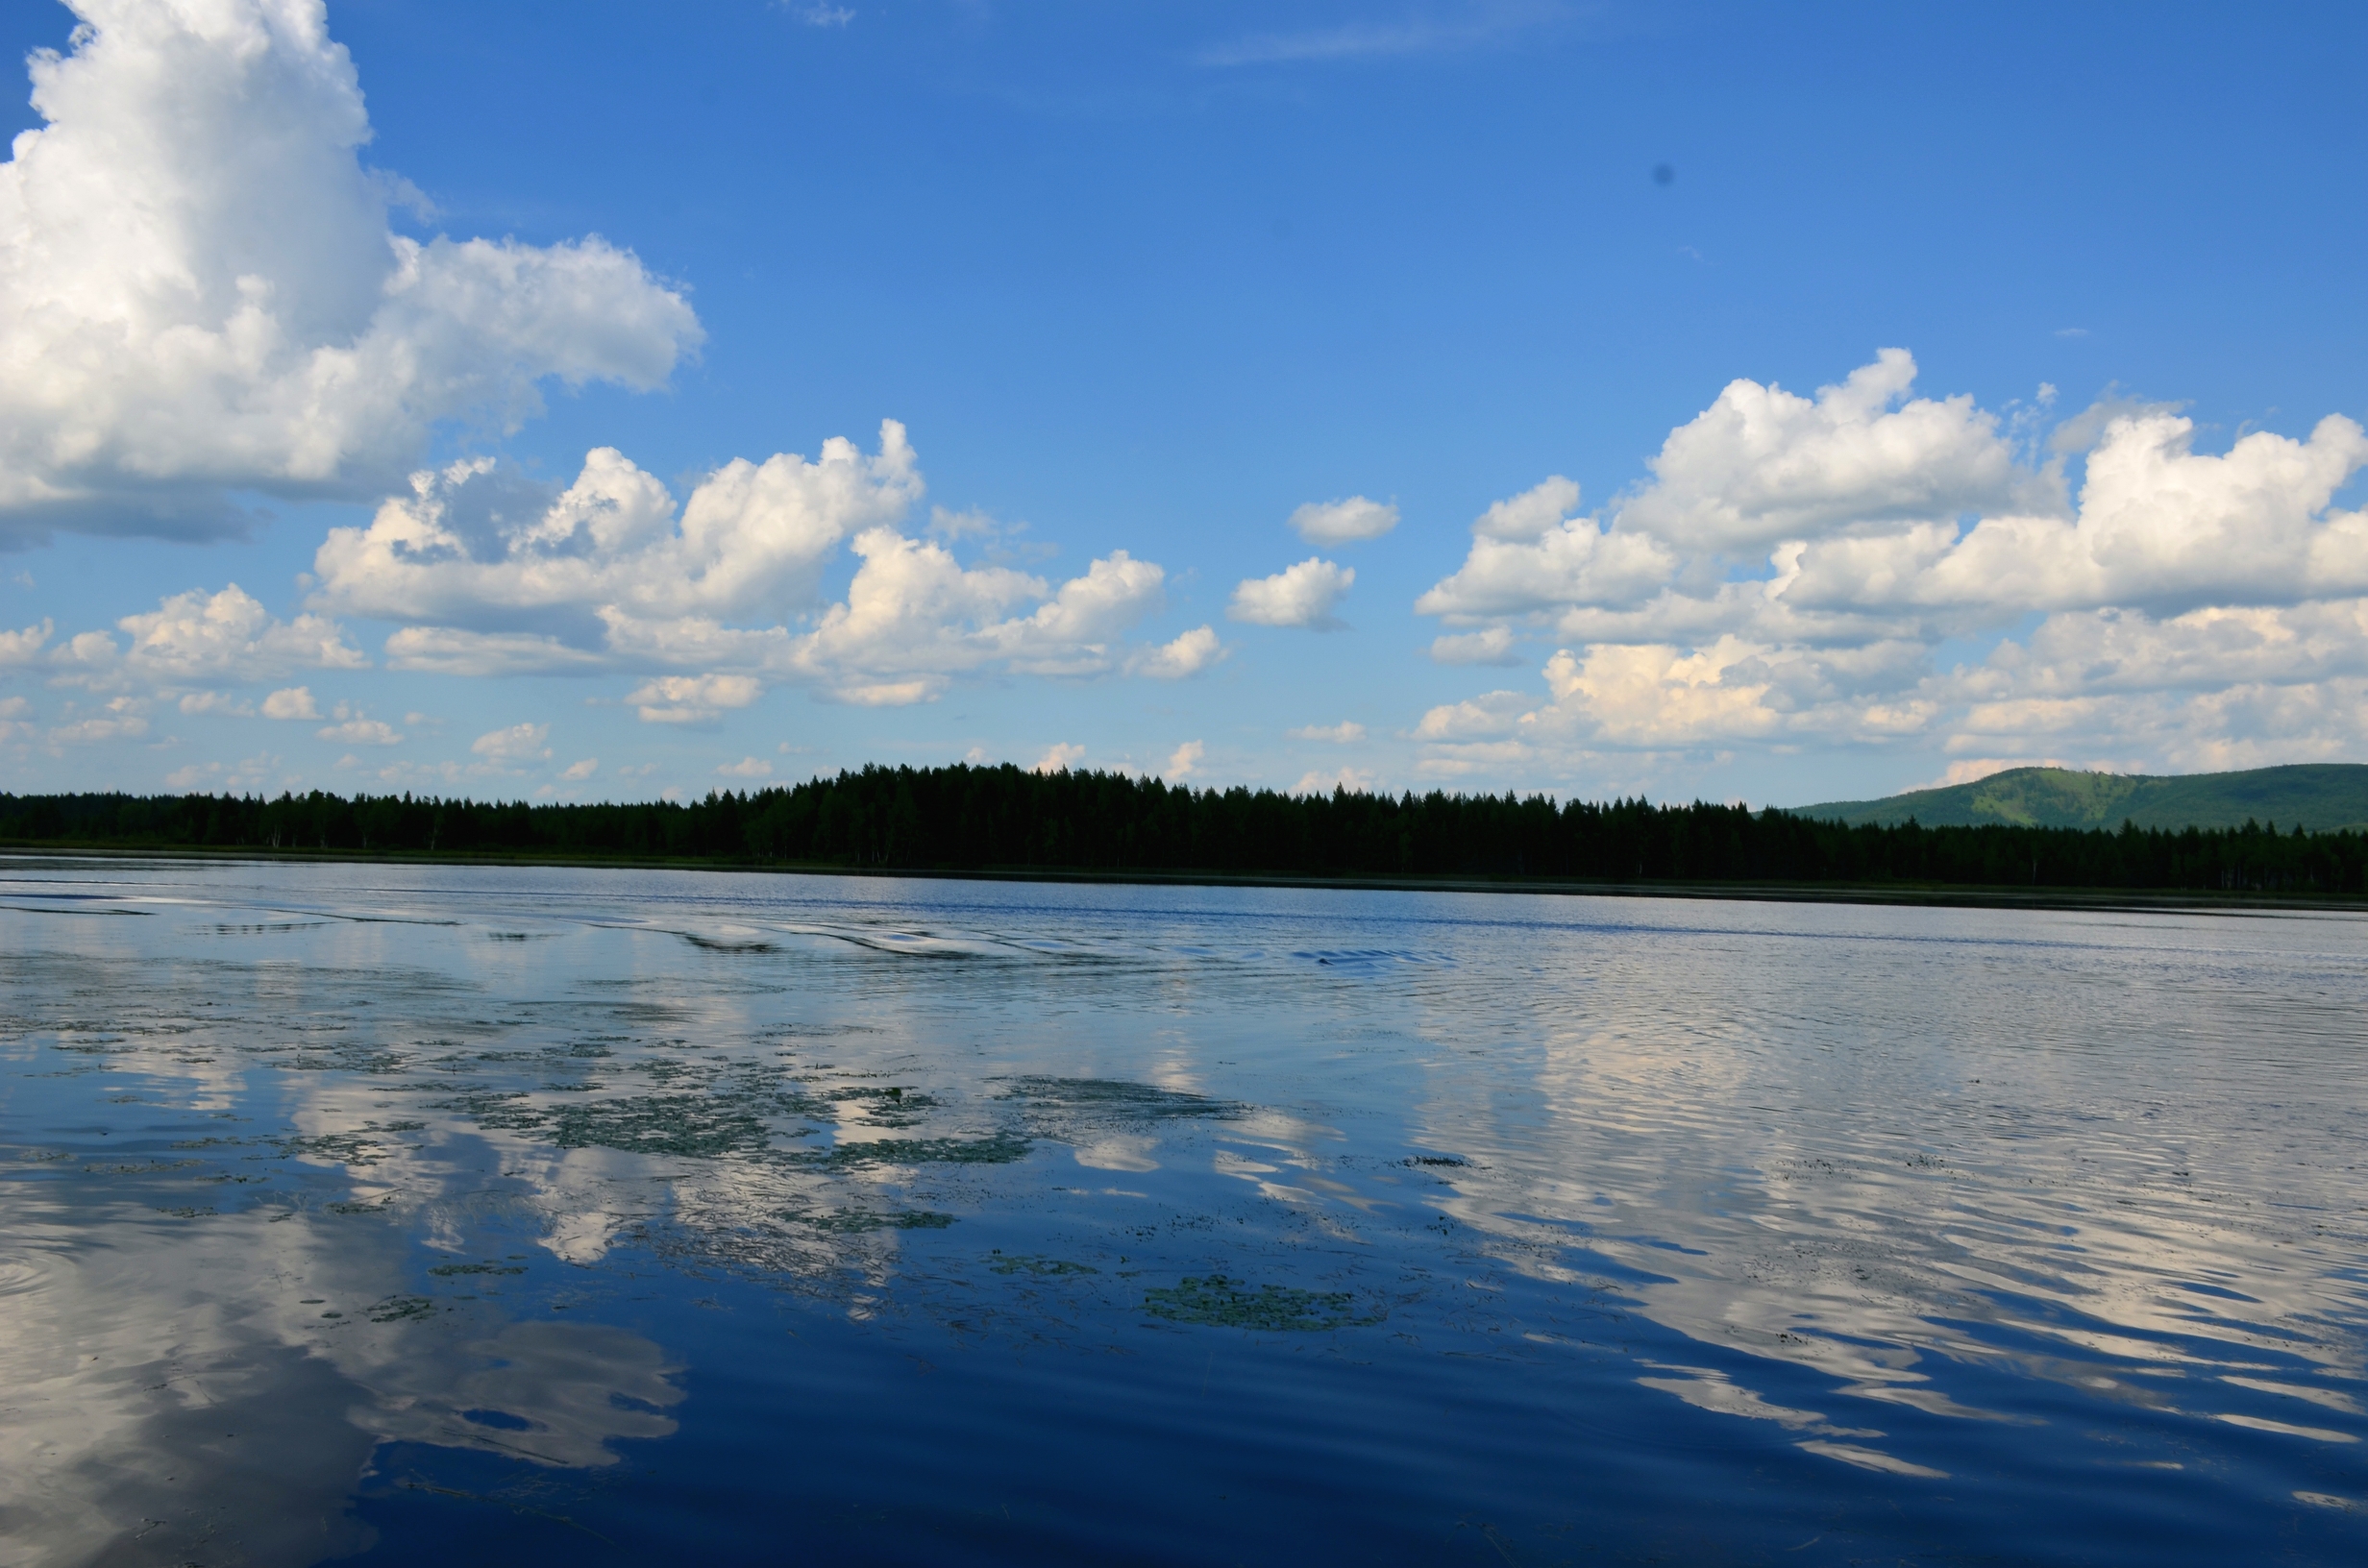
(1752, 1127)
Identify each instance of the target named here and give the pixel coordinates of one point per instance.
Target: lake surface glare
(472, 1216)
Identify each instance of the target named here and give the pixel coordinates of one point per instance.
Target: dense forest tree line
(1003, 818)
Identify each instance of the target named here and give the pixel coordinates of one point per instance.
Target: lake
(399, 1213)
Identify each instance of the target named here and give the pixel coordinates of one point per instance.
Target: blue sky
(1149, 280)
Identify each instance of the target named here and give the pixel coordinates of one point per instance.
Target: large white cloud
(194, 640)
(1790, 570)
(500, 576)
(1525, 557)
(200, 291)
(479, 546)
(228, 638)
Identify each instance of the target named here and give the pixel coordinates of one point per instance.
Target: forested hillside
(2319, 796)
(964, 819)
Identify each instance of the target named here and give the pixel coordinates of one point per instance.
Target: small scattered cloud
(747, 768)
(575, 773)
(1491, 644)
(964, 525)
(1344, 733)
(1188, 654)
(1353, 779)
(361, 731)
(1298, 596)
(217, 702)
(1344, 522)
(242, 777)
(18, 648)
(121, 720)
(291, 702)
(1974, 770)
(452, 650)
(1059, 758)
(2071, 332)
(819, 14)
(693, 700)
(1184, 761)
(519, 743)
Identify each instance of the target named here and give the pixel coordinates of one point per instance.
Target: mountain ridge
(2321, 796)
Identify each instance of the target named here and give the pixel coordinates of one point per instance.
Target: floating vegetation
(695, 1125)
(713, 945)
(1116, 1096)
(1044, 1268)
(188, 1213)
(858, 1221)
(1219, 1302)
(889, 1107)
(401, 1309)
(497, 1111)
(1457, 1161)
(379, 1207)
(345, 1148)
(147, 1168)
(448, 1270)
(999, 1149)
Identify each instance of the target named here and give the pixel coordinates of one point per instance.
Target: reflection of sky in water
(389, 1205)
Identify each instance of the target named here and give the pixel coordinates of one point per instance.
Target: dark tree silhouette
(964, 819)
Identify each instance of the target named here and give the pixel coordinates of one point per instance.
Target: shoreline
(1909, 895)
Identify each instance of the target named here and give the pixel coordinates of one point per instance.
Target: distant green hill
(2319, 796)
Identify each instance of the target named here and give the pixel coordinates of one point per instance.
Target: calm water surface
(407, 1215)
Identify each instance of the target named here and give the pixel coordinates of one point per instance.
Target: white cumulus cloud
(1186, 654)
(519, 743)
(356, 730)
(23, 648)
(1344, 522)
(291, 702)
(1791, 569)
(499, 577)
(1344, 733)
(692, 699)
(1298, 596)
(1355, 780)
(201, 292)
(229, 637)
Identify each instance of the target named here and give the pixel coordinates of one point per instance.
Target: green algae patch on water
(1218, 1302)
(1044, 1268)
(859, 1221)
(999, 1149)
(681, 1124)
(401, 1309)
(445, 1271)
(1115, 1097)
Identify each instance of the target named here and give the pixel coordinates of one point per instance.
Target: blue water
(401, 1214)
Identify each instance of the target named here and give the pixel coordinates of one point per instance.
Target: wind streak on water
(498, 1213)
